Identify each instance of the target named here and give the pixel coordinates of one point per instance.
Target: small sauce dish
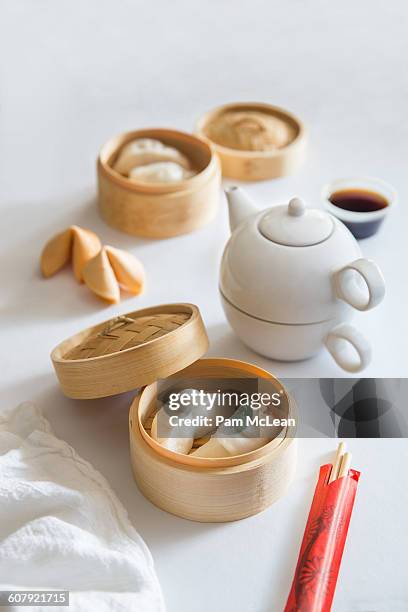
(360, 203)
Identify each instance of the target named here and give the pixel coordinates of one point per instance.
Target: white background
(75, 73)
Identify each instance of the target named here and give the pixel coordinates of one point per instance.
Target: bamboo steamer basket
(257, 165)
(205, 489)
(167, 342)
(159, 210)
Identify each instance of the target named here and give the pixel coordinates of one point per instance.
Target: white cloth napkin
(62, 527)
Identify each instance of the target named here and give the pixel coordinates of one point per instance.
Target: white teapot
(290, 279)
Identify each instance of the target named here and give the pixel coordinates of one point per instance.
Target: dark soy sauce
(360, 201)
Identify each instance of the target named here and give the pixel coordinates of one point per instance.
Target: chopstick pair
(325, 535)
(340, 464)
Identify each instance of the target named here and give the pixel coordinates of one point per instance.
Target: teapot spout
(240, 206)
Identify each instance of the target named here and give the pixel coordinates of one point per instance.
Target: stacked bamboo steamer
(136, 350)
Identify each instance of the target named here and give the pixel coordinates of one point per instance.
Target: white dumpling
(168, 432)
(147, 151)
(160, 172)
(213, 448)
(228, 446)
(178, 445)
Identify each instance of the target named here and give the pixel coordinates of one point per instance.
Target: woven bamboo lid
(129, 351)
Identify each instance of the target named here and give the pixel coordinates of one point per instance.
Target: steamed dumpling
(147, 151)
(177, 445)
(244, 441)
(250, 131)
(160, 172)
(168, 432)
(228, 447)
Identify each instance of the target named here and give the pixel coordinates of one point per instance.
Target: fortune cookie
(75, 242)
(110, 268)
(100, 278)
(128, 269)
(56, 253)
(86, 245)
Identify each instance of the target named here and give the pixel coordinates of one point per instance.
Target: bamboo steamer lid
(128, 351)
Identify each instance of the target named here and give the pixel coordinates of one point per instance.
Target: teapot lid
(295, 225)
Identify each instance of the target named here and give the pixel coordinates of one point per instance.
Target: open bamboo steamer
(159, 210)
(257, 165)
(166, 343)
(205, 489)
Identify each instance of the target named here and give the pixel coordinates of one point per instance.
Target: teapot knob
(296, 207)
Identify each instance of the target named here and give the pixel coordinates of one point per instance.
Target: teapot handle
(335, 344)
(348, 290)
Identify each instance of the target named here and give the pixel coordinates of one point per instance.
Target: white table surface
(72, 74)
